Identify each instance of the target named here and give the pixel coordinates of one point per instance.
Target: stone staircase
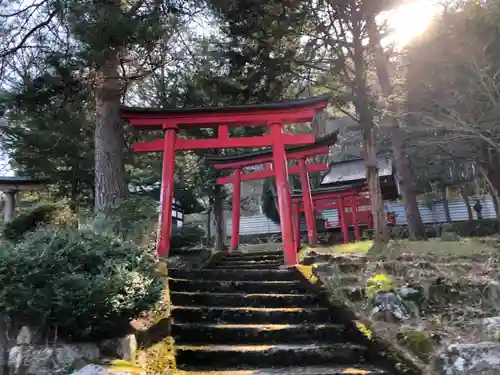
(244, 315)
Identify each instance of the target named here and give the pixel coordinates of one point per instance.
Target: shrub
(474, 228)
(30, 220)
(133, 213)
(88, 285)
(186, 236)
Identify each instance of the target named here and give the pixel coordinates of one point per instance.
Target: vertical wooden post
(9, 205)
(167, 193)
(308, 203)
(297, 225)
(235, 235)
(283, 190)
(355, 218)
(342, 220)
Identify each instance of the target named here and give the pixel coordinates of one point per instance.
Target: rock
(102, 370)
(128, 349)
(469, 359)
(490, 328)
(33, 360)
(67, 354)
(25, 336)
(324, 271)
(388, 306)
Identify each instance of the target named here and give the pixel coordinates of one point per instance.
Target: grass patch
(435, 246)
(355, 248)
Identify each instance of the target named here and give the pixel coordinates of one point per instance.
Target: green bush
(88, 285)
(30, 220)
(474, 228)
(186, 236)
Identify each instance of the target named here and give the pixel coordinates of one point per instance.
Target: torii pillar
(10, 186)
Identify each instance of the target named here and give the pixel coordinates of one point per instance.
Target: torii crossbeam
(273, 116)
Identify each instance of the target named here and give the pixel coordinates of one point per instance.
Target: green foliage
(417, 342)
(185, 237)
(49, 132)
(474, 228)
(88, 285)
(133, 214)
(30, 220)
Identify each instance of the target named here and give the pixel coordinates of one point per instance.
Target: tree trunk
(361, 102)
(416, 228)
(465, 198)
(220, 230)
(491, 177)
(209, 224)
(110, 183)
(446, 206)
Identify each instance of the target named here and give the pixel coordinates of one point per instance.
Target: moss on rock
(417, 342)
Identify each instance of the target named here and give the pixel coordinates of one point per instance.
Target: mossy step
(244, 266)
(243, 253)
(312, 370)
(245, 356)
(252, 315)
(242, 300)
(250, 262)
(234, 275)
(254, 257)
(279, 287)
(259, 333)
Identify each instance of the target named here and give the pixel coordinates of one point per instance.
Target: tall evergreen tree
(116, 41)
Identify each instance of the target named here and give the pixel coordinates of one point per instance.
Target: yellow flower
(379, 283)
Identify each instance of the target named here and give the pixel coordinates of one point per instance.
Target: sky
(410, 20)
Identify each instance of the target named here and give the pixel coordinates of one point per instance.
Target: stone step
(251, 315)
(258, 252)
(278, 287)
(234, 275)
(259, 333)
(242, 300)
(226, 357)
(254, 257)
(244, 266)
(239, 262)
(312, 370)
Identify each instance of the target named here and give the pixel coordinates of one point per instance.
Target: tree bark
(490, 175)
(465, 198)
(446, 206)
(109, 137)
(220, 230)
(416, 228)
(362, 105)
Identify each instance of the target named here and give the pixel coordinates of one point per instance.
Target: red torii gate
(328, 198)
(273, 116)
(351, 196)
(301, 167)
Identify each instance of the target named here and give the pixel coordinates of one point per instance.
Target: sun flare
(410, 20)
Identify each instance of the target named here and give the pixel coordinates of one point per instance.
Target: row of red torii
(284, 147)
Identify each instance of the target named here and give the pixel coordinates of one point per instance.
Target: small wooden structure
(10, 186)
(273, 116)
